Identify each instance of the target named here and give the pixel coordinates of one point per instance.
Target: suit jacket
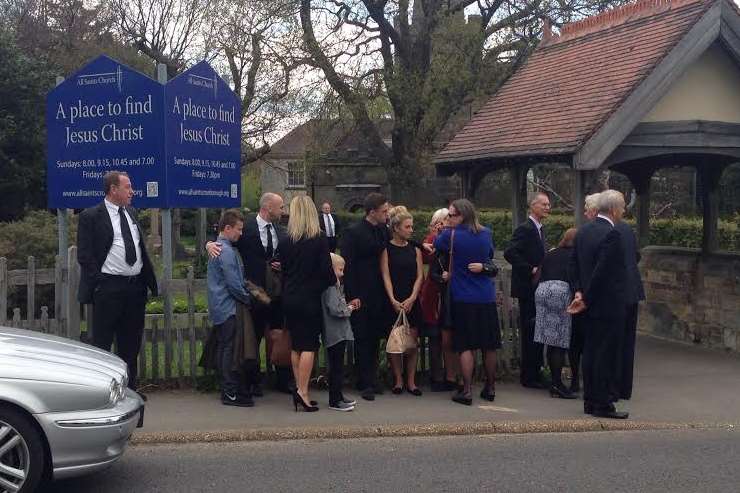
(525, 252)
(253, 253)
(94, 240)
(337, 226)
(361, 246)
(634, 290)
(598, 270)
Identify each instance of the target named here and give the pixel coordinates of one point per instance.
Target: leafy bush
(680, 232)
(179, 304)
(35, 235)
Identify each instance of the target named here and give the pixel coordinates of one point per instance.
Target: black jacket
(253, 253)
(525, 252)
(597, 269)
(361, 246)
(337, 225)
(634, 292)
(94, 239)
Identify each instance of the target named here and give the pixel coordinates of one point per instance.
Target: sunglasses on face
(454, 214)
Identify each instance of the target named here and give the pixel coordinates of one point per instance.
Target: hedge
(680, 232)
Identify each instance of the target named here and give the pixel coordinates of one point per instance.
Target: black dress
(402, 267)
(307, 272)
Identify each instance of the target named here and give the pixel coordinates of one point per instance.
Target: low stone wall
(691, 297)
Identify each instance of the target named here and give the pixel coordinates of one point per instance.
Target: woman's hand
(475, 267)
(445, 276)
(213, 249)
(397, 305)
(355, 304)
(407, 304)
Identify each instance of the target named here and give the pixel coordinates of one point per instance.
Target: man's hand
(428, 247)
(475, 267)
(534, 271)
(355, 304)
(275, 265)
(213, 249)
(577, 305)
(445, 276)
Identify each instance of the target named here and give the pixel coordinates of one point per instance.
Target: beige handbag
(402, 337)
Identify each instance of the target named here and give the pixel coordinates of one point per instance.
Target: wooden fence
(170, 355)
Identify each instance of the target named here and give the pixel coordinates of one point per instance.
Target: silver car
(65, 409)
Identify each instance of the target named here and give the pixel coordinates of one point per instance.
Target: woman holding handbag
(473, 296)
(307, 272)
(403, 272)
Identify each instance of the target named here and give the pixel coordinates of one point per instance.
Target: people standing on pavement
(330, 225)
(552, 326)
(225, 292)
(337, 332)
(598, 276)
(307, 272)
(473, 296)
(590, 211)
(115, 271)
(361, 246)
(434, 305)
(259, 247)
(525, 253)
(403, 272)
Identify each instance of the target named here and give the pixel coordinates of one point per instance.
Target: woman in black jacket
(307, 272)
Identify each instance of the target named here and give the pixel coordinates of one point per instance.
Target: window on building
(297, 174)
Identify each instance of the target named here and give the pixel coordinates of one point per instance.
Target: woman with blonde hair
(403, 273)
(307, 272)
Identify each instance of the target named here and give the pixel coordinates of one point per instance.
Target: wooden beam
(710, 174)
(598, 148)
(518, 176)
(730, 30)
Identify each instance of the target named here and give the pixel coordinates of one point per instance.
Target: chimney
(546, 30)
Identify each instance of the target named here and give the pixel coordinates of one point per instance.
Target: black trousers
(366, 360)
(118, 313)
(626, 356)
(335, 355)
(531, 352)
(600, 367)
(332, 243)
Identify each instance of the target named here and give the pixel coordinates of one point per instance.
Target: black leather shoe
(257, 390)
(588, 408)
(487, 394)
(460, 398)
(607, 413)
(561, 392)
(417, 391)
(368, 394)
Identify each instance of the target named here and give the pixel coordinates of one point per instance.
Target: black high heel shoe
(561, 392)
(297, 399)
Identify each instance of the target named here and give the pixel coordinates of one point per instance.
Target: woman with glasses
(473, 297)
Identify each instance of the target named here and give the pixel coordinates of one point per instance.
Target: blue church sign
(179, 143)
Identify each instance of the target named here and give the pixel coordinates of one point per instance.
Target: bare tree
(424, 57)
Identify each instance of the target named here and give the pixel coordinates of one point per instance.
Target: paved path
(655, 461)
(674, 384)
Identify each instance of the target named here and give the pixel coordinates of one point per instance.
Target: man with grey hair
(525, 254)
(598, 279)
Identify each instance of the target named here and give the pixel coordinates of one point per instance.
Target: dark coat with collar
(337, 223)
(525, 252)
(253, 252)
(597, 269)
(634, 291)
(94, 240)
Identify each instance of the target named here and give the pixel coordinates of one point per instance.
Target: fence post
(191, 324)
(59, 296)
(31, 294)
(72, 285)
(3, 291)
(155, 349)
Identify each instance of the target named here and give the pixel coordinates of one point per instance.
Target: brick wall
(692, 297)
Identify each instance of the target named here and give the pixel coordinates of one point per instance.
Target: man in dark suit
(329, 224)
(115, 271)
(525, 253)
(634, 293)
(361, 246)
(258, 246)
(598, 277)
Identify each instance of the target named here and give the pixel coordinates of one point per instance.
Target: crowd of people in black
(577, 301)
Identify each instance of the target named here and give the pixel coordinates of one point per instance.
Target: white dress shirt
(328, 225)
(261, 225)
(115, 262)
(606, 218)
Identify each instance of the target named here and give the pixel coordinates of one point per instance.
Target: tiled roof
(573, 82)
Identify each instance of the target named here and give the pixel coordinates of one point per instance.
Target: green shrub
(35, 235)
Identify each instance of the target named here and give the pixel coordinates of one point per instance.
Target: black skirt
(304, 320)
(475, 326)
